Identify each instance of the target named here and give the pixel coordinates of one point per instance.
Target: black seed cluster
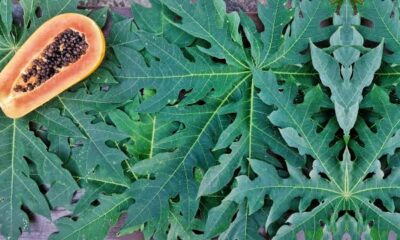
(67, 48)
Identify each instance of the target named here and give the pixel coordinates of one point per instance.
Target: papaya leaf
(20, 149)
(284, 42)
(382, 23)
(157, 20)
(346, 74)
(95, 221)
(200, 125)
(348, 185)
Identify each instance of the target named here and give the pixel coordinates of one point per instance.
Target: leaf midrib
(88, 136)
(98, 217)
(298, 125)
(192, 146)
(190, 75)
(271, 38)
(309, 217)
(377, 212)
(377, 153)
(283, 55)
(211, 36)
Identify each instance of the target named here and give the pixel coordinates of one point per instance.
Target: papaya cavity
(67, 48)
(62, 52)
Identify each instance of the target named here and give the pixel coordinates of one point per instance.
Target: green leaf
(20, 149)
(7, 41)
(283, 46)
(141, 132)
(99, 16)
(388, 75)
(49, 9)
(218, 219)
(95, 222)
(172, 73)
(244, 226)
(30, 7)
(173, 170)
(249, 126)
(383, 142)
(6, 8)
(257, 137)
(347, 185)
(299, 130)
(157, 20)
(199, 126)
(208, 20)
(346, 74)
(105, 166)
(384, 22)
(122, 35)
(178, 230)
(275, 16)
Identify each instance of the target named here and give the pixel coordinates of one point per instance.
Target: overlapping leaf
(95, 221)
(21, 152)
(383, 22)
(198, 132)
(230, 82)
(362, 166)
(27, 164)
(348, 80)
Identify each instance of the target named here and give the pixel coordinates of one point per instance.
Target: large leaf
(27, 163)
(20, 148)
(173, 168)
(230, 83)
(199, 126)
(208, 20)
(336, 189)
(346, 74)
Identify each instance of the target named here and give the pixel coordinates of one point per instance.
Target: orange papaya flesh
(63, 51)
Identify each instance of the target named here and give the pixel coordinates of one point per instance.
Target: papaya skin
(18, 104)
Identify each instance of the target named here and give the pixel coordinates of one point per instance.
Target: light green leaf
(346, 74)
(383, 23)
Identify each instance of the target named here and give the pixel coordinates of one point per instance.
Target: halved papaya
(63, 51)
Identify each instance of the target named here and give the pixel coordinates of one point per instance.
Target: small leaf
(6, 8)
(95, 221)
(219, 219)
(99, 16)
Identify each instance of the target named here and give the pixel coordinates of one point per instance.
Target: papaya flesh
(63, 51)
